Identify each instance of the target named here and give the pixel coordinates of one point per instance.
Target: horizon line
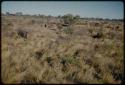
(61, 15)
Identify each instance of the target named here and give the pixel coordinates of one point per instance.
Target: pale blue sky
(102, 9)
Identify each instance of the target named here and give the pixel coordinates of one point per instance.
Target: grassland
(85, 52)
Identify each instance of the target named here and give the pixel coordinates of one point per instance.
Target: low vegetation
(69, 50)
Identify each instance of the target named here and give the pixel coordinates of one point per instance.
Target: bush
(68, 30)
(70, 19)
(97, 33)
(22, 33)
(69, 60)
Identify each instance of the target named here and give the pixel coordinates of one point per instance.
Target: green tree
(68, 18)
(76, 19)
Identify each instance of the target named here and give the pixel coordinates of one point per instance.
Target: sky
(96, 9)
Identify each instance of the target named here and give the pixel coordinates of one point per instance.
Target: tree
(76, 18)
(68, 18)
(19, 13)
(7, 13)
(42, 16)
(59, 16)
(49, 16)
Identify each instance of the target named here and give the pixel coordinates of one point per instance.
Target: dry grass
(61, 55)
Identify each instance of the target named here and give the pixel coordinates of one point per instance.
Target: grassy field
(36, 51)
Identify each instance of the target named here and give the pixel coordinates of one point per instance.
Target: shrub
(22, 33)
(38, 54)
(69, 60)
(70, 19)
(48, 59)
(68, 30)
(97, 33)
